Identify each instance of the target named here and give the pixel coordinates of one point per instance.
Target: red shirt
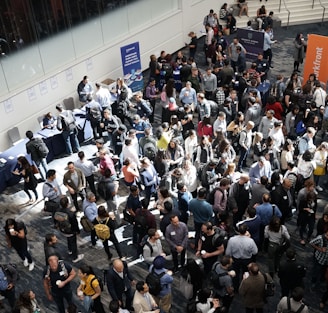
(277, 108)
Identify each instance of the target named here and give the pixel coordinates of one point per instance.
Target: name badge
(62, 273)
(172, 233)
(285, 197)
(203, 238)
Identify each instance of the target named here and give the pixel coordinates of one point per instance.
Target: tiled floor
(12, 205)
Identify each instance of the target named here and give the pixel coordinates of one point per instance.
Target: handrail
(286, 10)
(323, 11)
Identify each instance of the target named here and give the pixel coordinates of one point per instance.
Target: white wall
(22, 107)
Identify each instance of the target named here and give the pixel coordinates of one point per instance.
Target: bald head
(118, 265)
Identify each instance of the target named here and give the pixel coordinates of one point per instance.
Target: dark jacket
(31, 148)
(116, 285)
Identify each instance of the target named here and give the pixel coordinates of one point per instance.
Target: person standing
(89, 290)
(152, 95)
(293, 303)
(299, 51)
(103, 97)
(24, 170)
(119, 280)
(210, 246)
(267, 52)
(233, 54)
(176, 235)
(88, 169)
(242, 249)
(164, 298)
(27, 302)
(143, 301)
(291, 273)
(252, 289)
(245, 142)
(9, 273)
(66, 124)
(52, 191)
(201, 210)
(50, 246)
(56, 282)
(192, 44)
(84, 88)
(153, 246)
(74, 181)
(16, 238)
(149, 177)
(38, 150)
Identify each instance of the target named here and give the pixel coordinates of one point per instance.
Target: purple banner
(252, 40)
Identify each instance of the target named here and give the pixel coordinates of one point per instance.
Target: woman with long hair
(16, 238)
(226, 147)
(257, 146)
(287, 155)
(299, 51)
(205, 128)
(174, 154)
(275, 234)
(236, 126)
(176, 128)
(27, 303)
(24, 170)
(189, 173)
(204, 152)
(168, 92)
(89, 290)
(191, 144)
(320, 158)
(160, 165)
(306, 215)
(231, 173)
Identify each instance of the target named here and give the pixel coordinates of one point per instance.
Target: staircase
(301, 11)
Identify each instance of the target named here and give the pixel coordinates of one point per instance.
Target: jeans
(72, 246)
(242, 158)
(43, 163)
(59, 299)
(71, 138)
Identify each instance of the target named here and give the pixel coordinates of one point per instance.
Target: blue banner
(131, 64)
(252, 40)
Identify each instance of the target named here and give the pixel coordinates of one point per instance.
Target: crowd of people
(227, 161)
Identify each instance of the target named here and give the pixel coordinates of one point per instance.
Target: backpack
(149, 151)
(3, 279)
(211, 196)
(220, 237)
(214, 276)
(153, 281)
(68, 121)
(102, 230)
(63, 223)
(100, 281)
(296, 145)
(86, 224)
(235, 142)
(289, 310)
(269, 287)
(140, 223)
(41, 148)
(167, 70)
(300, 128)
(145, 242)
(95, 113)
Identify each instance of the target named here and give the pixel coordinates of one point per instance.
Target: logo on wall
(131, 64)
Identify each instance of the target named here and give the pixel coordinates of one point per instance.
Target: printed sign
(131, 64)
(252, 40)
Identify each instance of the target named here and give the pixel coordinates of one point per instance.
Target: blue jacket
(166, 281)
(265, 212)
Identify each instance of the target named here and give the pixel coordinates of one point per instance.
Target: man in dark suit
(119, 281)
(283, 198)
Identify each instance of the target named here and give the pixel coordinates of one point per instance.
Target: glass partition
(39, 36)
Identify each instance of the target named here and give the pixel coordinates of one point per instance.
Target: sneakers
(31, 266)
(79, 258)
(25, 262)
(69, 252)
(319, 188)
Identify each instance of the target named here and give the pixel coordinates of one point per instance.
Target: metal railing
(286, 10)
(323, 10)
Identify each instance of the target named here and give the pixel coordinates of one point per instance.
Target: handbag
(34, 169)
(186, 287)
(319, 171)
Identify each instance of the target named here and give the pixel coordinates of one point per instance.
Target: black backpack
(214, 277)
(235, 142)
(153, 281)
(211, 195)
(140, 221)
